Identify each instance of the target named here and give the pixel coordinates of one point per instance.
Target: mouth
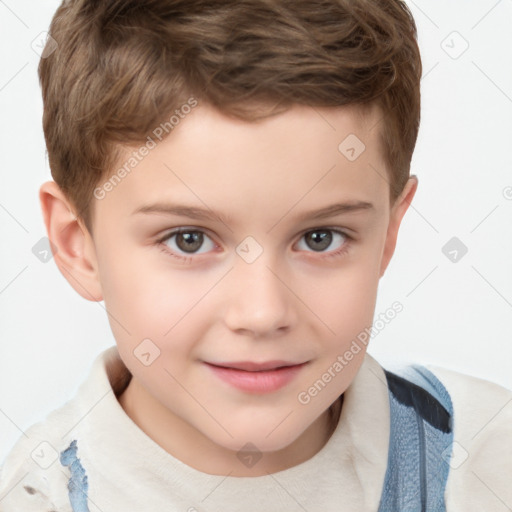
(258, 378)
(251, 366)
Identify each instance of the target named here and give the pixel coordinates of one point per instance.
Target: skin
(291, 303)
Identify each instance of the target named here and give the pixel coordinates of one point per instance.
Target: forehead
(304, 157)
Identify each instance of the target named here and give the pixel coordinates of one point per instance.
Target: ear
(75, 253)
(397, 212)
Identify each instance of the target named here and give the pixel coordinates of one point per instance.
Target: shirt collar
(357, 449)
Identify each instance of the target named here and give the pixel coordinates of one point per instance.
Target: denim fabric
(77, 485)
(420, 444)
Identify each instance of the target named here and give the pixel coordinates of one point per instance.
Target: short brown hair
(122, 66)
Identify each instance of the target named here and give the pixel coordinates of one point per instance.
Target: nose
(260, 302)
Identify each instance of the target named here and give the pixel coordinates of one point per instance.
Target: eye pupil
(189, 240)
(324, 237)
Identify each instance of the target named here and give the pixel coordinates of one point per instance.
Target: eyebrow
(194, 212)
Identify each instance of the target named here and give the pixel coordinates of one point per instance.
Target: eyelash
(188, 259)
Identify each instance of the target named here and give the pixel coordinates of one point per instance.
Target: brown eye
(184, 242)
(189, 240)
(319, 240)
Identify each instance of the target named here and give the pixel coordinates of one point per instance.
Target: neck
(187, 444)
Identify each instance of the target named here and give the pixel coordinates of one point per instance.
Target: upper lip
(251, 366)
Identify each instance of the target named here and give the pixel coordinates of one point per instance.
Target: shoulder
(478, 404)
(32, 477)
(36, 472)
(481, 463)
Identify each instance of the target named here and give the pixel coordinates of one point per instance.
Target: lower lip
(257, 382)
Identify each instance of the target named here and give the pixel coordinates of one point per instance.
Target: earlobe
(397, 213)
(75, 254)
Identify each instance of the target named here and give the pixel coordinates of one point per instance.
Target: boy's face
(267, 282)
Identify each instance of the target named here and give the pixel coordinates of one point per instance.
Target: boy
(200, 151)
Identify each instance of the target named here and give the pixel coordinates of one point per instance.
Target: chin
(258, 436)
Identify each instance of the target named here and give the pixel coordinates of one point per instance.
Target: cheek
(139, 286)
(345, 304)
(146, 298)
(346, 296)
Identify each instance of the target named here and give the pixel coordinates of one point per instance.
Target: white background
(456, 315)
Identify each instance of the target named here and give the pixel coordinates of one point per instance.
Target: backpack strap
(77, 484)
(420, 443)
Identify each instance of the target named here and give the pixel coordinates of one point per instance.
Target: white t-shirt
(127, 471)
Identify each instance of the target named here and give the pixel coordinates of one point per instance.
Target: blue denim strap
(420, 442)
(77, 485)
